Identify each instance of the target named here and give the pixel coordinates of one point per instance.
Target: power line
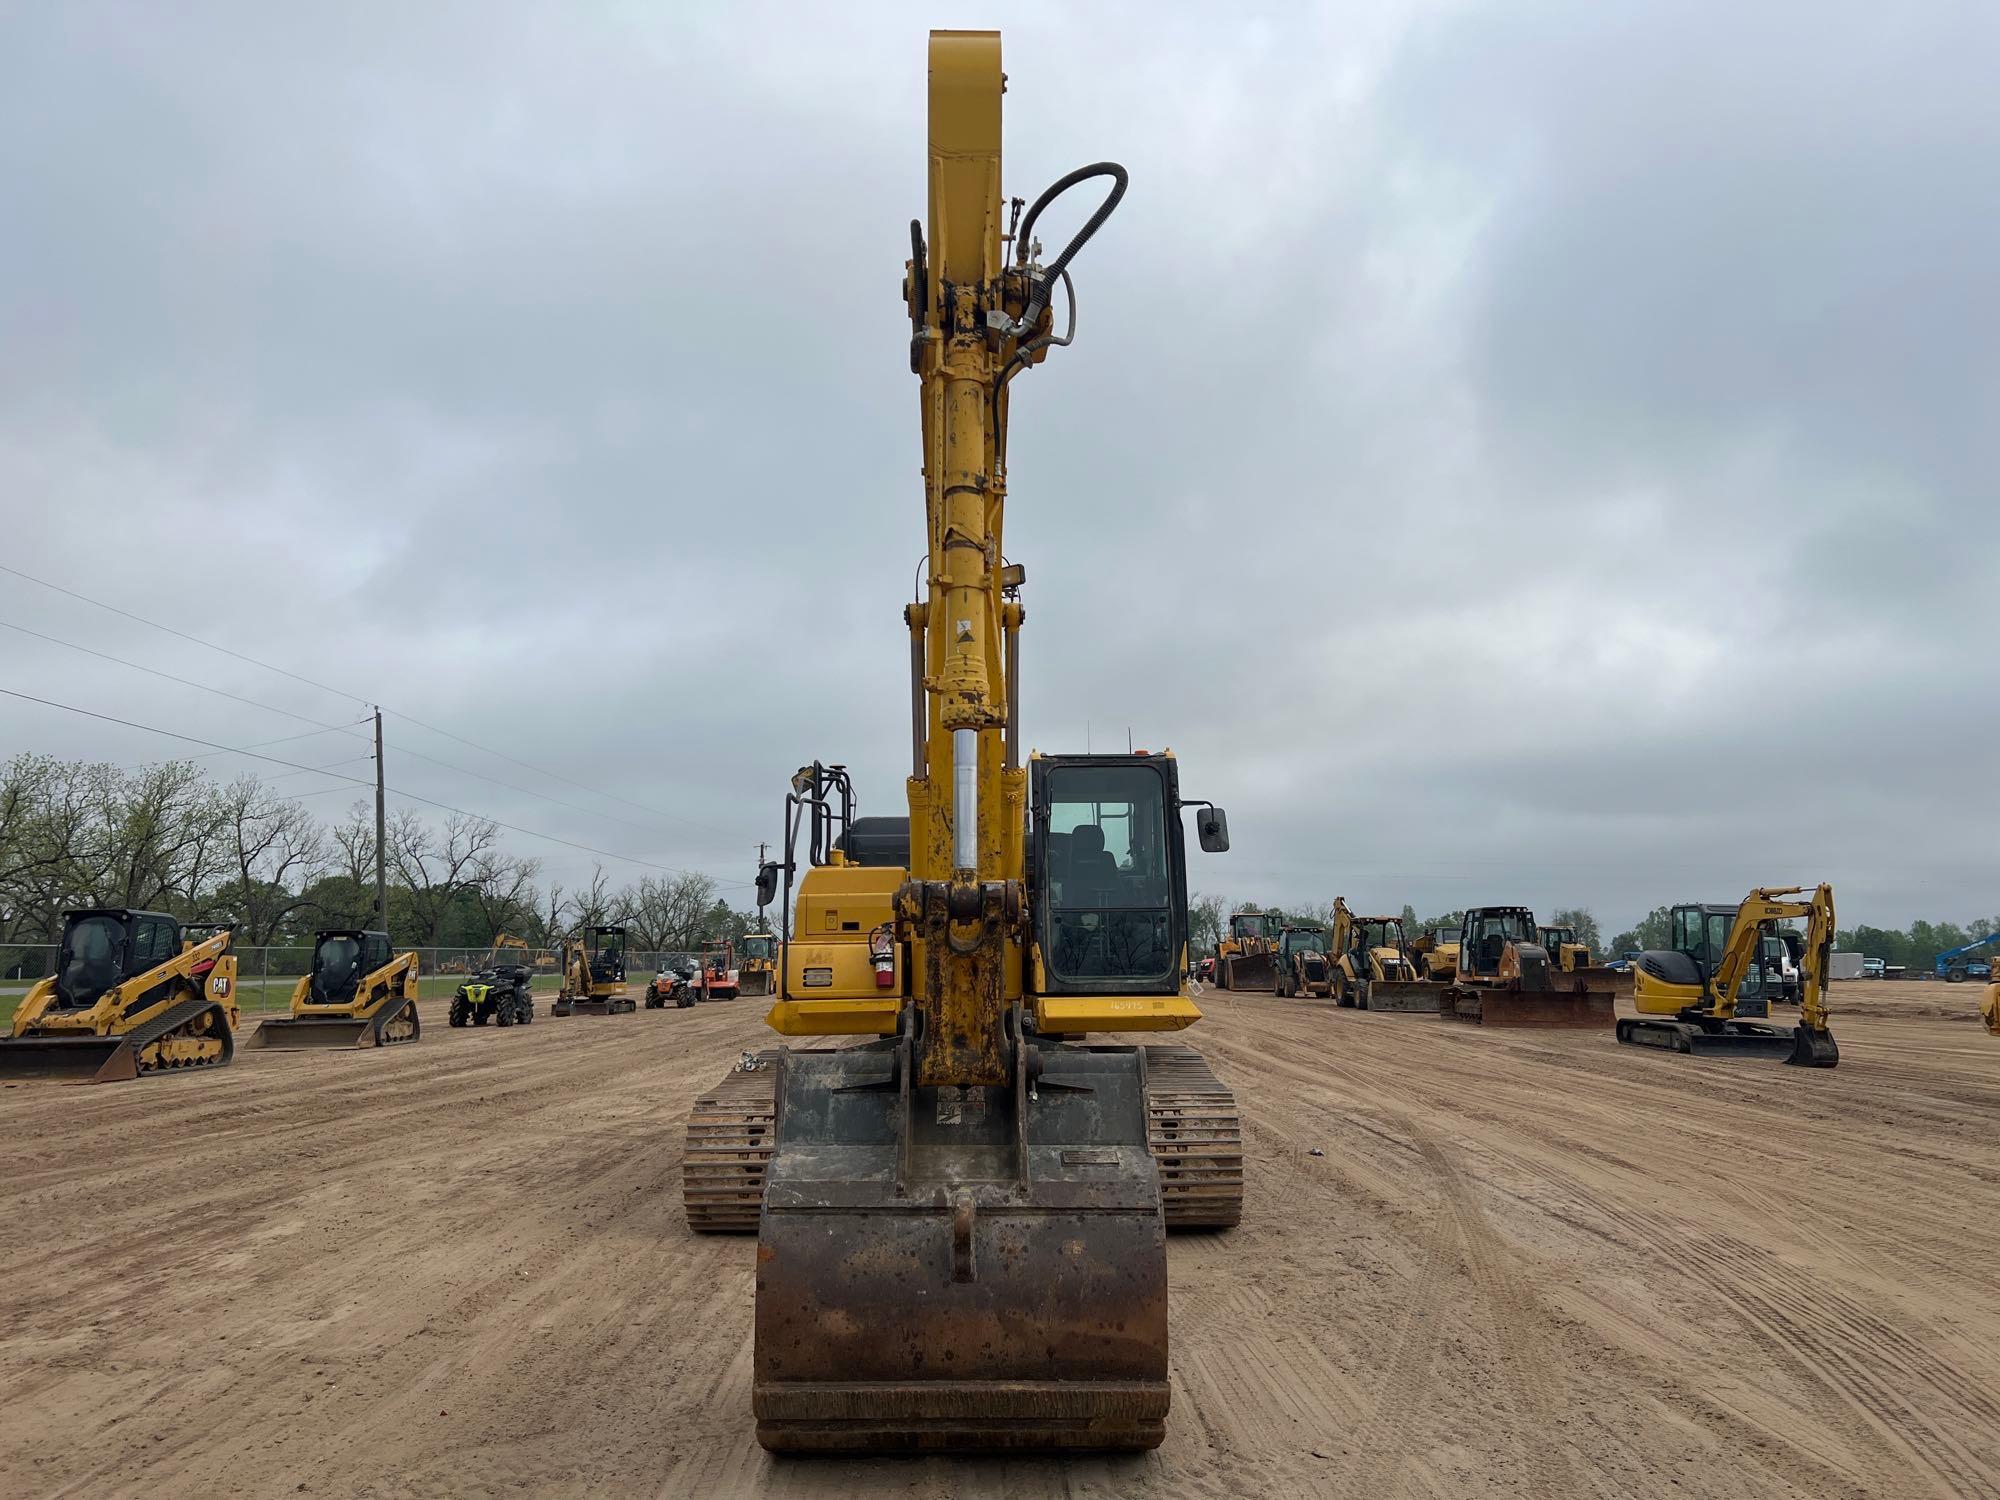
(357, 781)
(338, 693)
(170, 677)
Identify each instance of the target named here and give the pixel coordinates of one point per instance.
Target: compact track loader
(1374, 967)
(134, 992)
(594, 974)
(360, 993)
(961, 1242)
(1505, 978)
(1685, 1005)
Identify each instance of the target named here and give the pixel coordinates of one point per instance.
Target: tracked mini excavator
(962, 1236)
(1505, 978)
(360, 993)
(1374, 967)
(1247, 958)
(134, 992)
(1685, 1005)
(594, 974)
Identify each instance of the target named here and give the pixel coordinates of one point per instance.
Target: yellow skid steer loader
(134, 992)
(360, 993)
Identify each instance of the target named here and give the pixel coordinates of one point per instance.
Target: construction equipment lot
(1525, 1264)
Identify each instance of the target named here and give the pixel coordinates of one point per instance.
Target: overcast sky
(1523, 452)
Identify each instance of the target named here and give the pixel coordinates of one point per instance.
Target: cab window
(1107, 887)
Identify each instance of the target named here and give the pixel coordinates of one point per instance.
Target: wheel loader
(1373, 966)
(133, 992)
(360, 993)
(1688, 1005)
(1505, 978)
(1247, 958)
(757, 965)
(961, 1216)
(1303, 968)
(594, 974)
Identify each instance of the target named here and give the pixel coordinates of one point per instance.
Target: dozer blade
(1551, 1009)
(1411, 996)
(944, 1269)
(79, 1059)
(1596, 978)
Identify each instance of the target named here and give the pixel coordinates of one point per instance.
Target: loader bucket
(1251, 971)
(311, 1033)
(960, 1270)
(68, 1059)
(1408, 995)
(756, 983)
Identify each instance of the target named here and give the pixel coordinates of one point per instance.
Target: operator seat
(1091, 867)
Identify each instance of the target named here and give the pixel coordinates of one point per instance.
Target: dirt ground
(1524, 1265)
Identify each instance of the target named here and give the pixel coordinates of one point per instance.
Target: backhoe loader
(1436, 952)
(1247, 958)
(1569, 956)
(134, 992)
(1701, 999)
(1505, 978)
(1373, 967)
(360, 993)
(594, 974)
(961, 1242)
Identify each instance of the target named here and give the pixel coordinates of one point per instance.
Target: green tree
(1585, 923)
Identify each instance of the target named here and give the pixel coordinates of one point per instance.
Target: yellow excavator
(1686, 1005)
(1247, 958)
(1504, 977)
(961, 1240)
(134, 992)
(360, 993)
(1374, 967)
(594, 974)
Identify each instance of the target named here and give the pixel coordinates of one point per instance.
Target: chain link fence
(266, 976)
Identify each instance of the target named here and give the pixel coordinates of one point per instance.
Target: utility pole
(381, 836)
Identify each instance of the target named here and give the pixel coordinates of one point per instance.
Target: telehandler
(360, 993)
(133, 992)
(1688, 1005)
(960, 1244)
(594, 974)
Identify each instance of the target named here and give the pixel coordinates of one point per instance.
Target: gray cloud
(1511, 452)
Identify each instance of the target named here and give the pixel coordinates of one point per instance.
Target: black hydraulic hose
(1025, 238)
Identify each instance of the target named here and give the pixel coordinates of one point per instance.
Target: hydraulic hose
(1025, 237)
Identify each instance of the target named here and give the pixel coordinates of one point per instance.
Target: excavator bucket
(1251, 971)
(69, 1059)
(387, 1026)
(961, 1269)
(1414, 996)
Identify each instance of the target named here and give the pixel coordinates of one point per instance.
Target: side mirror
(1212, 824)
(767, 882)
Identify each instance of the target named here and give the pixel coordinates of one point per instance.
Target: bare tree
(596, 903)
(1206, 920)
(669, 914)
(435, 865)
(503, 886)
(277, 849)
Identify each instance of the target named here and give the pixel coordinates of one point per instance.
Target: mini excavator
(594, 974)
(1685, 1005)
(360, 993)
(961, 1224)
(134, 992)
